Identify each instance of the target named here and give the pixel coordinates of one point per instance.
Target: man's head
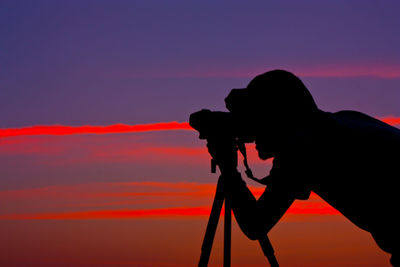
(272, 105)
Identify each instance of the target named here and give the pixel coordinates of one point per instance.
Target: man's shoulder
(355, 118)
(359, 121)
(369, 134)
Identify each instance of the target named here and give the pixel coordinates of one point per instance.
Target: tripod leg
(227, 234)
(212, 226)
(268, 250)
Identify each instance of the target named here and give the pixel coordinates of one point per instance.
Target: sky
(98, 164)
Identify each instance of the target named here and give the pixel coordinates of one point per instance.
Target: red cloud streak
(115, 128)
(391, 120)
(110, 129)
(316, 209)
(104, 191)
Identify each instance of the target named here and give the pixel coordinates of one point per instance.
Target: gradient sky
(138, 196)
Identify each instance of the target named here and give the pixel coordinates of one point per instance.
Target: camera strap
(249, 173)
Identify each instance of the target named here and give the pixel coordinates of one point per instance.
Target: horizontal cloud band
(315, 208)
(102, 195)
(110, 129)
(115, 128)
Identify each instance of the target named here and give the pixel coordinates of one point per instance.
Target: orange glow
(114, 214)
(321, 208)
(110, 129)
(121, 193)
(122, 189)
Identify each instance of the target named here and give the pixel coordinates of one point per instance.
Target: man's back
(358, 172)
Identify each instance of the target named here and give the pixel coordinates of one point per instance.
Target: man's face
(270, 138)
(251, 130)
(265, 147)
(266, 143)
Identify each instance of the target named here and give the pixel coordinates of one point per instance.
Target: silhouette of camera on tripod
(224, 138)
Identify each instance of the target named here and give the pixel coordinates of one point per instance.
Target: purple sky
(77, 62)
(104, 62)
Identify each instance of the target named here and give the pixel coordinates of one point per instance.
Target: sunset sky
(98, 164)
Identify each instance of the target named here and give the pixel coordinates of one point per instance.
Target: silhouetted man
(349, 159)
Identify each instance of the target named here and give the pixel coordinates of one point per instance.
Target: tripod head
(224, 137)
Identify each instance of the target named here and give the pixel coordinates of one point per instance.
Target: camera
(224, 137)
(218, 125)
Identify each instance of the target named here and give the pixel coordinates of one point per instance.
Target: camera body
(213, 124)
(217, 128)
(223, 137)
(218, 125)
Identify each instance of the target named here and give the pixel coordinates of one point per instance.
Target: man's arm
(256, 217)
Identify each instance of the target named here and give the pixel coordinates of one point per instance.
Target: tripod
(212, 227)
